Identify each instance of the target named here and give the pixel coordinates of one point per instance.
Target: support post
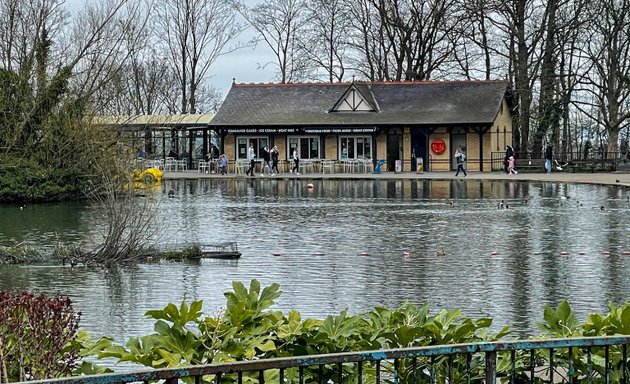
(491, 367)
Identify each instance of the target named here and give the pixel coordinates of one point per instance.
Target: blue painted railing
(583, 360)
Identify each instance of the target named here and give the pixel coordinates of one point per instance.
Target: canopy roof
(156, 121)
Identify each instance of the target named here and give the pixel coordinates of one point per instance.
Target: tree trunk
(522, 77)
(613, 137)
(548, 118)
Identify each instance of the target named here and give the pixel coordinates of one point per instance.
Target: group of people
(222, 160)
(509, 162)
(270, 161)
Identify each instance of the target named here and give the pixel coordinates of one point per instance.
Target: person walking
(296, 162)
(251, 156)
(274, 161)
(509, 152)
(460, 158)
(266, 156)
(511, 169)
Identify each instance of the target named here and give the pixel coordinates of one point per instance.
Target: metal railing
(596, 157)
(587, 359)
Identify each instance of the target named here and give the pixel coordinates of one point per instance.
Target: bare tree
(608, 83)
(369, 56)
(127, 222)
(326, 38)
(195, 33)
(279, 23)
(140, 87)
(479, 54)
(548, 104)
(521, 24)
(103, 37)
(418, 35)
(21, 26)
(571, 67)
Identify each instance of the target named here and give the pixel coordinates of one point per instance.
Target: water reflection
(503, 263)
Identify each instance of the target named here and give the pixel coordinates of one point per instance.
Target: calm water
(503, 263)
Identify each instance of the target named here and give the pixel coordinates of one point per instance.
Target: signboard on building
(302, 130)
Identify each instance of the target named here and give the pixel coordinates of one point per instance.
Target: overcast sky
(245, 65)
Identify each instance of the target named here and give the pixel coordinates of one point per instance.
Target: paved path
(621, 179)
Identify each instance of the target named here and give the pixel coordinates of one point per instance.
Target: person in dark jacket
(460, 158)
(509, 152)
(548, 158)
(266, 155)
(274, 161)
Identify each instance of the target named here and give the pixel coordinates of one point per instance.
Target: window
(242, 143)
(355, 147)
(308, 147)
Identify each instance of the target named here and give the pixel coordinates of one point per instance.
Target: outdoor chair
(170, 164)
(203, 166)
(328, 164)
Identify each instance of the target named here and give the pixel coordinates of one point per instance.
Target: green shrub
(249, 330)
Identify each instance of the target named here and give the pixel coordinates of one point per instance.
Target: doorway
(458, 138)
(418, 149)
(394, 148)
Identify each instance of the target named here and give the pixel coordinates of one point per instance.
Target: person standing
(296, 162)
(548, 158)
(213, 155)
(274, 161)
(223, 163)
(460, 158)
(251, 156)
(509, 152)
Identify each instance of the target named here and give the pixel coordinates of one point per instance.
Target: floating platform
(227, 250)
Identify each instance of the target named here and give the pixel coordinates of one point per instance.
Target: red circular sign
(438, 146)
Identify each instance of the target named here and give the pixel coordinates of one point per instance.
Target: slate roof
(412, 103)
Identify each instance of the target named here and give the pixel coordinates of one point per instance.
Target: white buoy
(363, 254)
(276, 253)
(494, 253)
(406, 254)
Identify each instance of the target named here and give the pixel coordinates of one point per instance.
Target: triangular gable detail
(353, 101)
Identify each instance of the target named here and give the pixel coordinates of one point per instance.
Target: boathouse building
(419, 124)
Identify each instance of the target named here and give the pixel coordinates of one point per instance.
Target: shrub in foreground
(37, 336)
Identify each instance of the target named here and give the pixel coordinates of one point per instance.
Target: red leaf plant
(36, 336)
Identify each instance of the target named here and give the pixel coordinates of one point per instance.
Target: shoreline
(609, 179)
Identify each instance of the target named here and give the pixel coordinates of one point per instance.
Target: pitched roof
(308, 104)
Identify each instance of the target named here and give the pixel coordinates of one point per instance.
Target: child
(223, 163)
(511, 169)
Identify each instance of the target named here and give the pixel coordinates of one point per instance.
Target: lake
(352, 244)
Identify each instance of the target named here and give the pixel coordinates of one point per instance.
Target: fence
(601, 157)
(588, 359)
